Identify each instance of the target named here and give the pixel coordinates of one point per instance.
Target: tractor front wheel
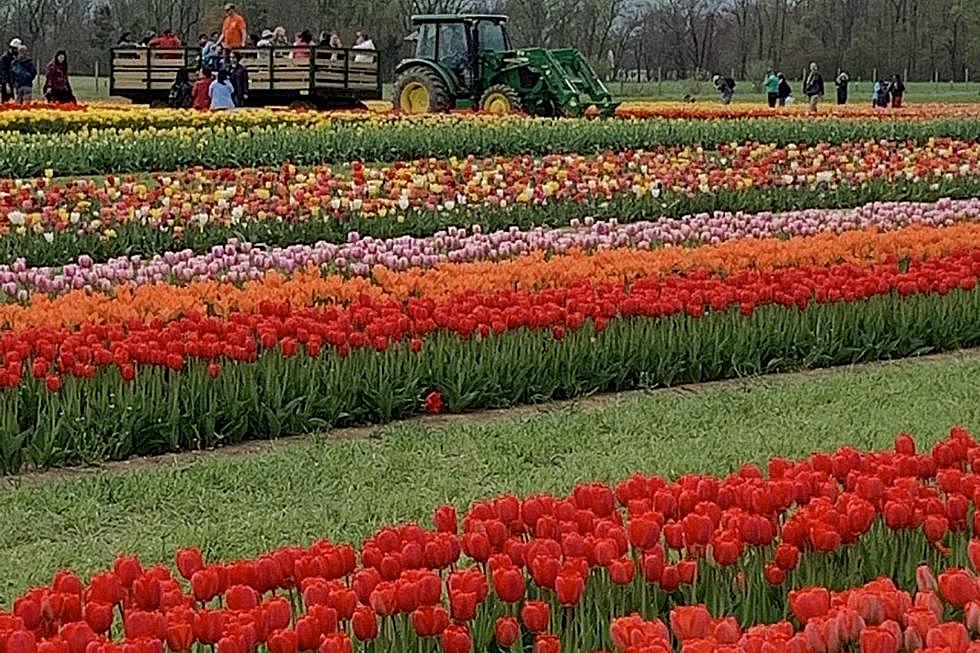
(501, 99)
(421, 90)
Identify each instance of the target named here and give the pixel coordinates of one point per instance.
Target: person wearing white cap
(6, 71)
(266, 40)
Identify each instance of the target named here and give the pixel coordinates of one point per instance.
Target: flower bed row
(128, 386)
(533, 272)
(53, 223)
(842, 551)
(100, 151)
(236, 262)
(45, 118)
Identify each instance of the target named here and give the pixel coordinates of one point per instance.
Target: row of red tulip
(382, 323)
(557, 568)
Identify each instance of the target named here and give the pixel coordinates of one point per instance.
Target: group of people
(225, 88)
(216, 47)
(779, 93)
(18, 74)
(888, 93)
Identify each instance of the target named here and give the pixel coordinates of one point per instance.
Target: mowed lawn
(343, 489)
(745, 91)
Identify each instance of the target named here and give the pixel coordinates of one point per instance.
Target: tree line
(631, 39)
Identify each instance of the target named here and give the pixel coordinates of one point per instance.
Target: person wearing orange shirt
(233, 30)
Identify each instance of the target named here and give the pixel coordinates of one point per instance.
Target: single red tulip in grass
(434, 403)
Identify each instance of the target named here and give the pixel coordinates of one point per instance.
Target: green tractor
(465, 61)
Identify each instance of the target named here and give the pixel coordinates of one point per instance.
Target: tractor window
(453, 51)
(426, 47)
(491, 37)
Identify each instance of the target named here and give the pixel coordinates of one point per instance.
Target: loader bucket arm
(579, 75)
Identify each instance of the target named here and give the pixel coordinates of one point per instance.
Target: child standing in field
(201, 93)
(222, 93)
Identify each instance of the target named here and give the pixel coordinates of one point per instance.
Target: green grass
(745, 91)
(344, 489)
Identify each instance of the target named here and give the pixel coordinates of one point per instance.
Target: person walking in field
(24, 73)
(771, 83)
(813, 87)
(6, 71)
(725, 86)
(57, 86)
(881, 95)
(234, 31)
(841, 83)
(783, 92)
(897, 91)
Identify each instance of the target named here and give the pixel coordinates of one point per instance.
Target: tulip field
(174, 281)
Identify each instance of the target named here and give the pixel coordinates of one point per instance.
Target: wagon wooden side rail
(314, 76)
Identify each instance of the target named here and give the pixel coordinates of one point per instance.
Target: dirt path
(589, 403)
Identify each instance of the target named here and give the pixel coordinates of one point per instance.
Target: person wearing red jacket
(201, 93)
(57, 86)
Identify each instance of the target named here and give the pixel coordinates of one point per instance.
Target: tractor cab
(466, 61)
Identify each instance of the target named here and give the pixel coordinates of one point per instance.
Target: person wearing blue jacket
(24, 72)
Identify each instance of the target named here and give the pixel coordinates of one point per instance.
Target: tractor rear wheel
(501, 99)
(421, 90)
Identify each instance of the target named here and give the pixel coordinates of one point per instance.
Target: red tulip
(876, 639)
(508, 583)
(241, 597)
(957, 587)
(971, 616)
(445, 519)
(456, 639)
(622, 571)
(547, 644)
(463, 605)
(205, 584)
(335, 643)
(307, 633)
(146, 592)
(809, 603)
(77, 636)
(951, 635)
(787, 556)
(283, 641)
(774, 574)
(506, 631)
(29, 611)
(127, 569)
(434, 402)
(925, 580)
(569, 587)
(21, 641)
(189, 561)
(430, 621)
(180, 636)
(536, 615)
(365, 624)
(99, 616)
(973, 553)
(690, 622)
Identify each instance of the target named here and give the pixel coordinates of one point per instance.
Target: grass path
(345, 488)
